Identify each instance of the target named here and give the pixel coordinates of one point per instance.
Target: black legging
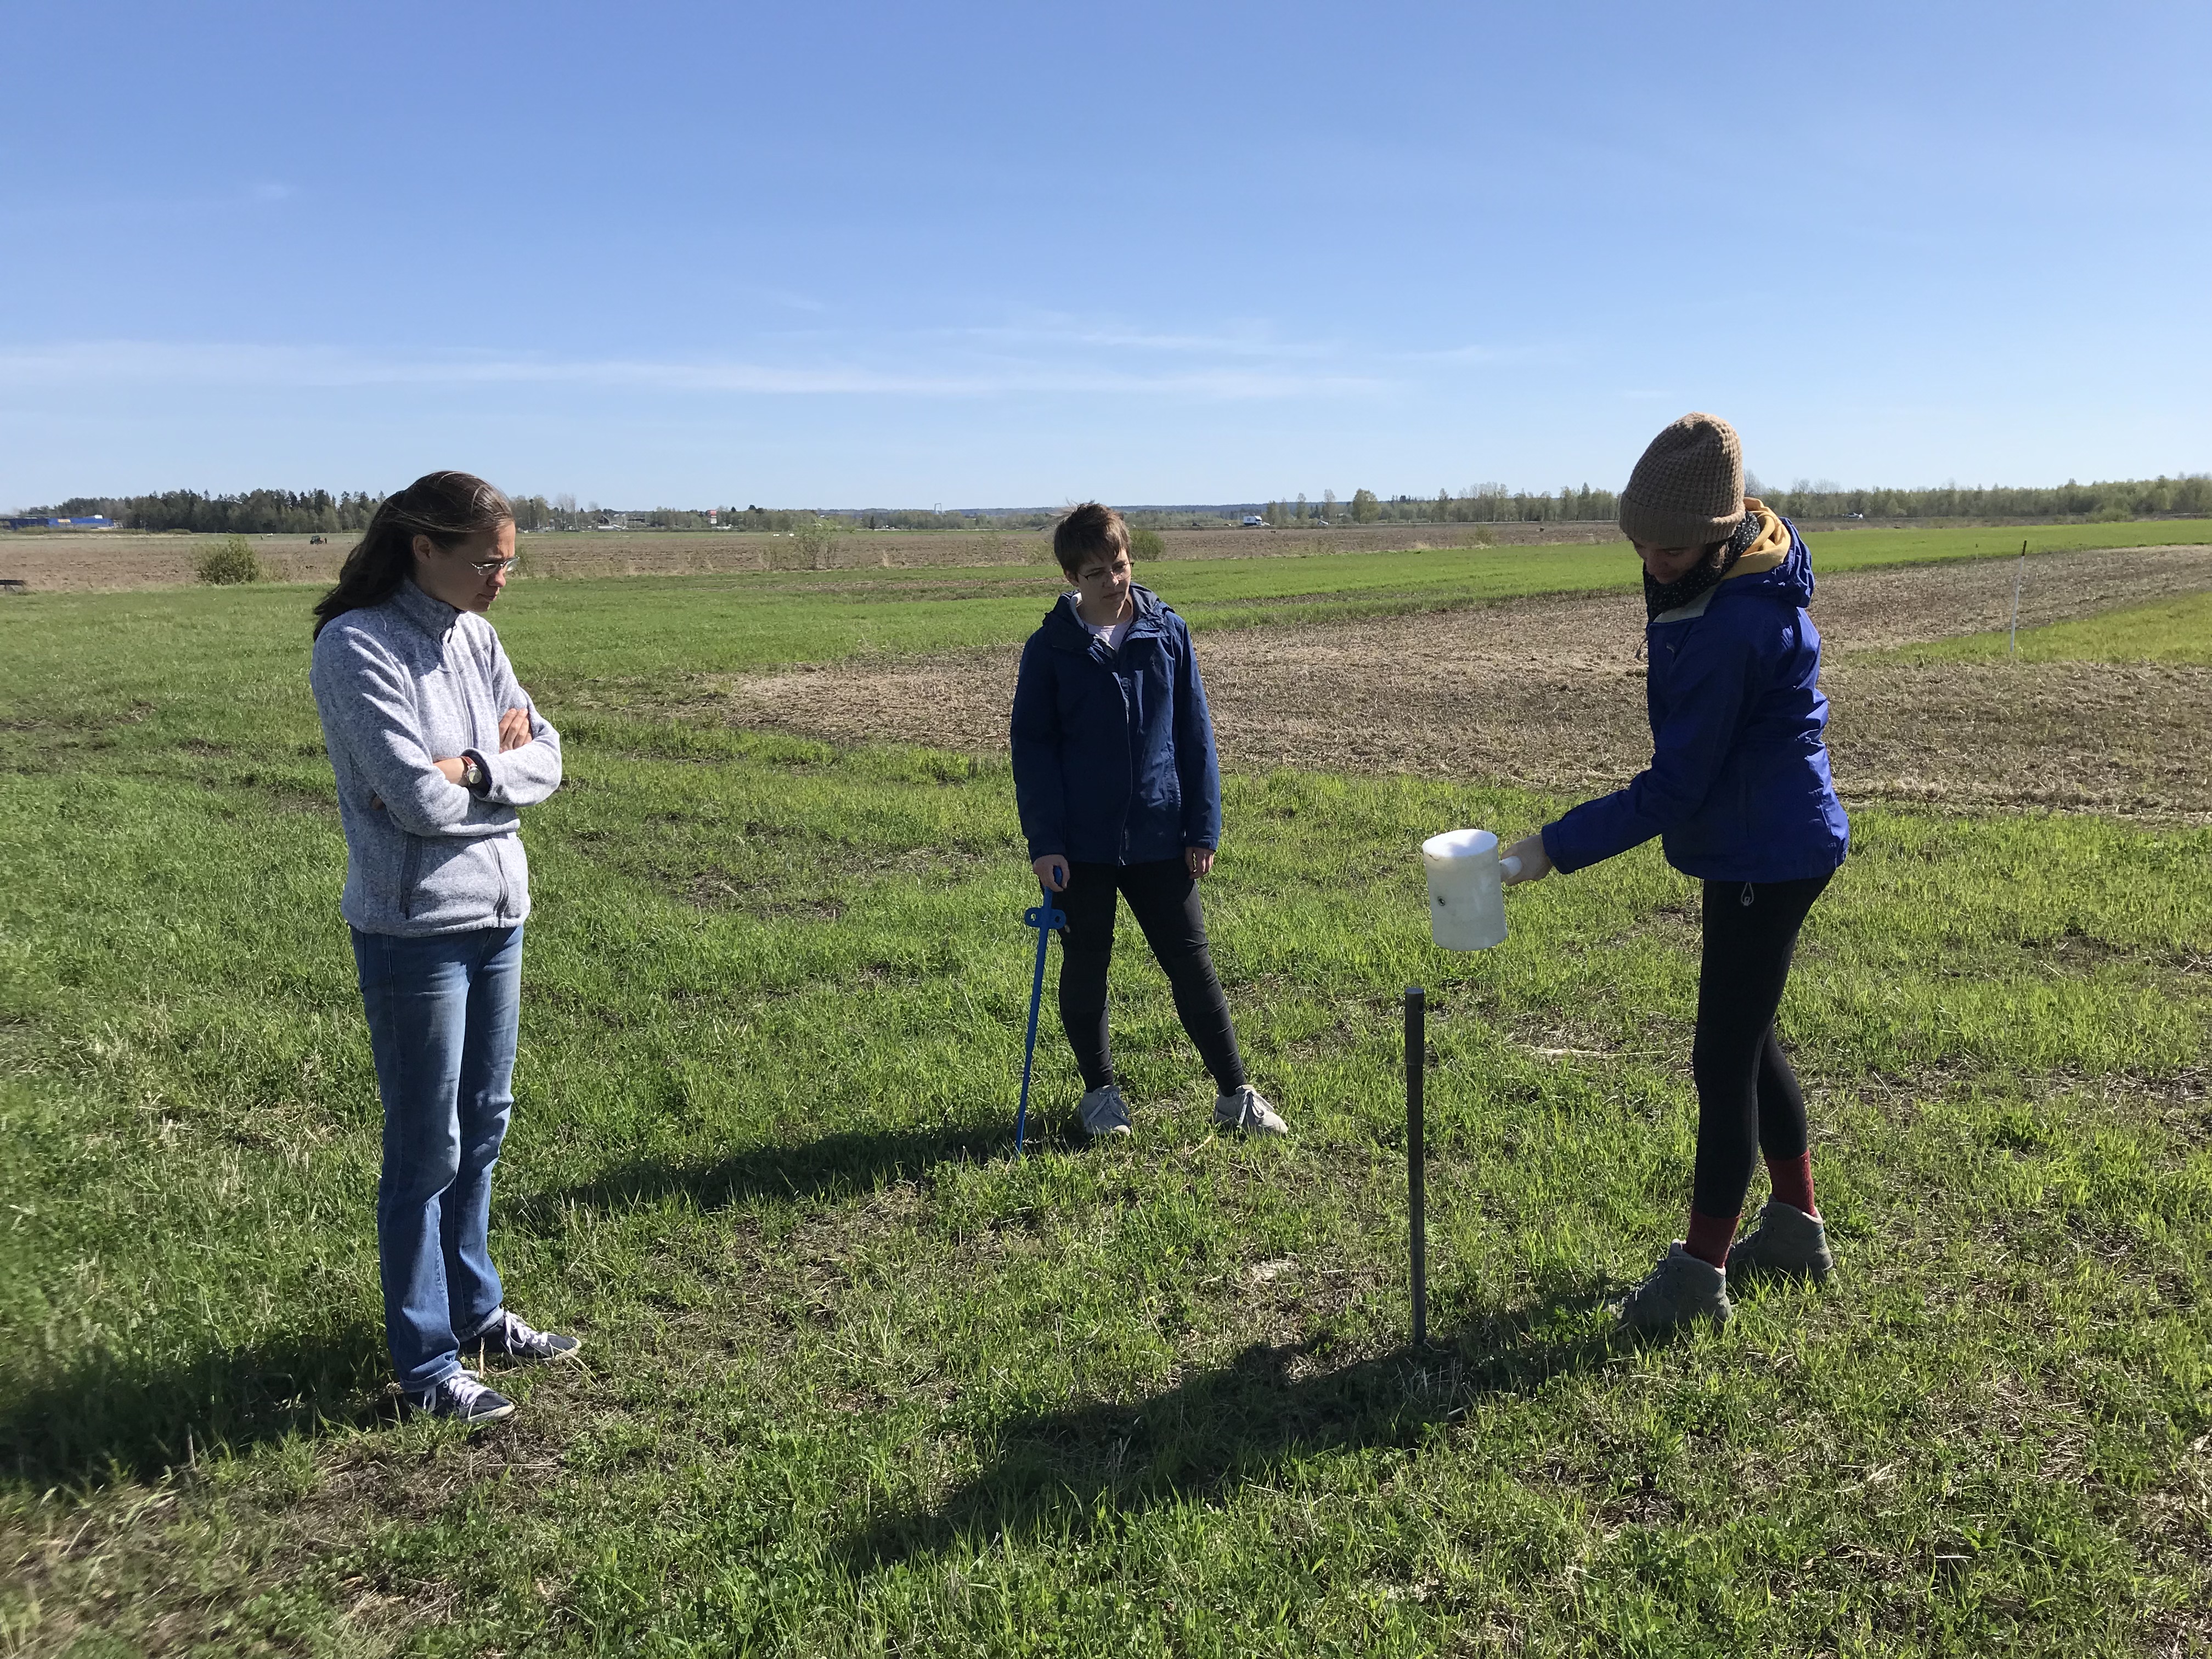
(1748, 1101)
(1164, 898)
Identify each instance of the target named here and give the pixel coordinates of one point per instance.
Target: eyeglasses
(491, 567)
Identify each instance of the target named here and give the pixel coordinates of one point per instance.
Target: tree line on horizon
(263, 511)
(252, 511)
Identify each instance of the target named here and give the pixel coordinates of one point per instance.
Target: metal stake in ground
(1417, 1042)
(1044, 917)
(2018, 571)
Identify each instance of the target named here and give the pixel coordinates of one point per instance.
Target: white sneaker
(1104, 1112)
(1248, 1110)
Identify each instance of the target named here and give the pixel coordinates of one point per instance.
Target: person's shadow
(851, 1163)
(106, 1418)
(1067, 1472)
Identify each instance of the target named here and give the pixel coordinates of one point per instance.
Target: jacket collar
(434, 616)
(1785, 573)
(1066, 629)
(1689, 612)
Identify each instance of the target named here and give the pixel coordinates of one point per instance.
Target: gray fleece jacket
(399, 685)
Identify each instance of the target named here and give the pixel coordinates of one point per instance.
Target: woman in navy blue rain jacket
(1120, 795)
(1739, 792)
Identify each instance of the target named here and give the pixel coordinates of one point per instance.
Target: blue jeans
(441, 1021)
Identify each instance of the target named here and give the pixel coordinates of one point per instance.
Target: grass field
(860, 1383)
(55, 562)
(618, 634)
(2178, 630)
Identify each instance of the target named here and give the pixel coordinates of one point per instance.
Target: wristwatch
(473, 773)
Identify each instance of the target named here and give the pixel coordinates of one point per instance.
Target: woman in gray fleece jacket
(437, 747)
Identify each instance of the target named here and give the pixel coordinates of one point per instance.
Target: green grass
(1848, 549)
(596, 637)
(2176, 630)
(860, 1383)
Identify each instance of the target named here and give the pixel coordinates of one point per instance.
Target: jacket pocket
(411, 865)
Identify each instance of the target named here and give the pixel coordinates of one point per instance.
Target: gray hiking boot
(1786, 1244)
(1249, 1110)
(1681, 1288)
(1104, 1112)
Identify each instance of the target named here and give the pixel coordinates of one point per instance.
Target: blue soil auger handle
(1044, 917)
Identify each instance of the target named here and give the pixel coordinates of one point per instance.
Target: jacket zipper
(408, 867)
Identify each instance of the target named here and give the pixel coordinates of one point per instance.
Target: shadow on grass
(111, 1419)
(1074, 1473)
(835, 1166)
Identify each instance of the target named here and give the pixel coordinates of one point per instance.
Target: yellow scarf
(1769, 550)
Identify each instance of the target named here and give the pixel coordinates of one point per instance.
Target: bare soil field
(107, 561)
(1548, 692)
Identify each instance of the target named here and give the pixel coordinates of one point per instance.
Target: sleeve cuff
(483, 770)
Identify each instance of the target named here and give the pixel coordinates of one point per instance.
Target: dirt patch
(106, 560)
(1549, 692)
(1873, 610)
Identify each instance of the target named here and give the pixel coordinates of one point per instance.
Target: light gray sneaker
(1249, 1110)
(1681, 1288)
(1104, 1112)
(1786, 1244)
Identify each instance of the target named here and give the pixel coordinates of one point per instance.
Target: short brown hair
(1087, 531)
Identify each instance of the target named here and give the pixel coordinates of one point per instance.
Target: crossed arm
(513, 733)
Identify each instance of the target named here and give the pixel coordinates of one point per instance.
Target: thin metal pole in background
(2018, 569)
(1417, 1042)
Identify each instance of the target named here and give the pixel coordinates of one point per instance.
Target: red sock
(1793, 1180)
(1710, 1237)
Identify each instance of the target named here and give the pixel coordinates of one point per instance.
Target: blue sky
(845, 255)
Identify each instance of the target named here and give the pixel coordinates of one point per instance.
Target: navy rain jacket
(1114, 759)
(1738, 783)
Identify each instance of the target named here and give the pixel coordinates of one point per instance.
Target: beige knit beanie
(1688, 487)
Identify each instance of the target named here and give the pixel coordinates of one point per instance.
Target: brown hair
(449, 507)
(1087, 531)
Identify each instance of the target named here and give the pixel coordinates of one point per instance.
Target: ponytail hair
(449, 507)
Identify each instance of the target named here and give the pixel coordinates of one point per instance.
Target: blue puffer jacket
(1114, 759)
(1738, 783)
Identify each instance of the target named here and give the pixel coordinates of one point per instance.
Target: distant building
(96, 522)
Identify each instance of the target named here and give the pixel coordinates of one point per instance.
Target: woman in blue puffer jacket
(1738, 790)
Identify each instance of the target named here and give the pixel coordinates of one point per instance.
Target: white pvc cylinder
(1467, 895)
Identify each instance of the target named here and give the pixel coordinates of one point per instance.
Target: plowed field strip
(1549, 692)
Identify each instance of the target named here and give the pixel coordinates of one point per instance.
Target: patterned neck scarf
(1659, 597)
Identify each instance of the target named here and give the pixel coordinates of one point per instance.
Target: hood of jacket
(1064, 629)
(1776, 563)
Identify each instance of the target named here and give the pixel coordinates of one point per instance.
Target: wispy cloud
(276, 367)
(1535, 351)
(21, 197)
(1249, 340)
